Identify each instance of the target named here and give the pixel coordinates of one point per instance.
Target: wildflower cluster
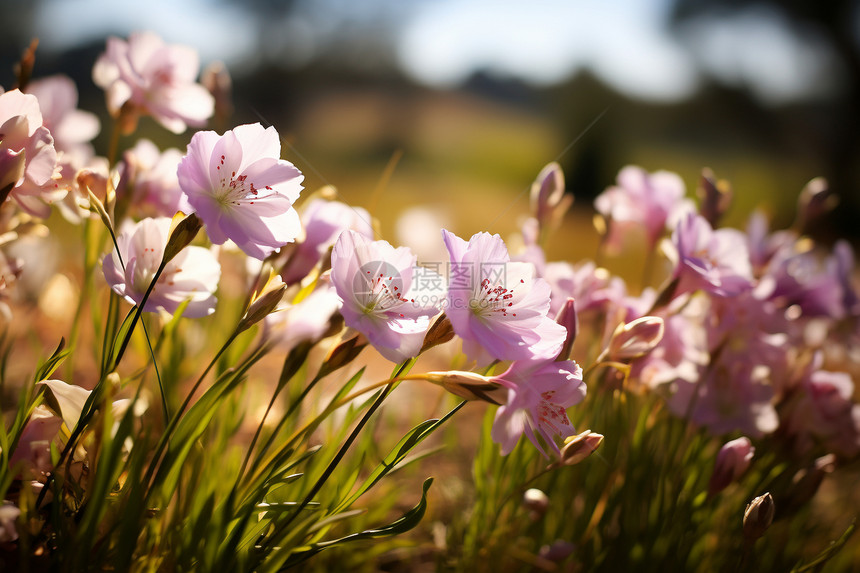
(748, 343)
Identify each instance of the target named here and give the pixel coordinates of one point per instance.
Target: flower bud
(577, 448)
(536, 502)
(439, 332)
(715, 197)
(568, 319)
(548, 201)
(635, 338)
(557, 551)
(342, 354)
(469, 385)
(94, 181)
(216, 79)
(806, 482)
(814, 201)
(758, 516)
(24, 67)
(182, 232)
(33, 452)
(263, 303)
(733, 460)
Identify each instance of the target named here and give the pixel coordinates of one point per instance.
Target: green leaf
(414, 437)
(50, 365)
(820, 560)
(119, 338)
(408, 521)
(108, 469)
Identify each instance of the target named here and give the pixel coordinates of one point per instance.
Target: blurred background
(454, 106)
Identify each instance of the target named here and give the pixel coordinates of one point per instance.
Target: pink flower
(496, 306)
(34, 447)
(823, 411)
(592, 287)
(539, 393)
(744, 358)
(58, 100)
(22, 132)
(732, 395)
(306, 320)
(192, 275)
(154, 79)
(641, 200)
(241, 189)
(323, 222)
(150, 178)
(679, 358)
(375, 282)
(732, 462)
(81, 170)
(797, 277)
(717, 262)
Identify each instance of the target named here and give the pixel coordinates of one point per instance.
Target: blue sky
(439, 43)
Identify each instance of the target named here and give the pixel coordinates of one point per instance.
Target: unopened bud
(182, 231)
(577, 448)
(536, 502)
(732, 462)
(548, 200)
(96, 204)
(806, 482)
(94, 181)
(814, 201)
(567, 318)
(216, 79)
(715, 197)
(635, 338)
(439, 332)
(263, 304)
(557, 551)
(342, 354)
(114, 382)
(469, 385)
(758, 516)
(24, 67)
(127, 117)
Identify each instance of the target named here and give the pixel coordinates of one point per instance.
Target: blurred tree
(16, 25)
(834, 134)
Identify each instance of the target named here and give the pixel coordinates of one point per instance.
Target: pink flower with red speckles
(380, 298)
(641, 200)
(496, 306)
(716, 261)
(191, 275)
(155, 79)
(150, 175)
(241, 189)
(539, 393)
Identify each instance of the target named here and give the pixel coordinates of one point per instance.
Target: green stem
(342, 452)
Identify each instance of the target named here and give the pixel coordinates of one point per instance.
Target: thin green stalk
(164, 408)
(258, 432)
(343, 449)
(174, 421)
(83, 296)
